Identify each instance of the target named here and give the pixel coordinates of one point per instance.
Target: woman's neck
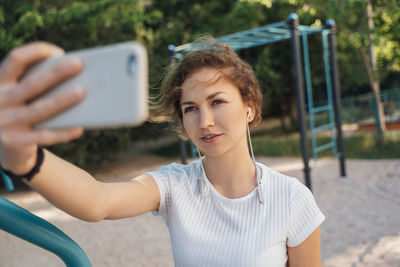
(232, 175)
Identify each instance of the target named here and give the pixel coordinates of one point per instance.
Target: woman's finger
(21, 57)
(41, 109)
(45, 137)
(37, 83)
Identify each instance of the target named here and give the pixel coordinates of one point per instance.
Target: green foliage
(74, 25)
(350, 16)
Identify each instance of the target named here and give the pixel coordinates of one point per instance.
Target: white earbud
(248, 112)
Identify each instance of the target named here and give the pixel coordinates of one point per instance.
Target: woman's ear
(250, 113)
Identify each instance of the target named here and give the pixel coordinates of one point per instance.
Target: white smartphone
(115, 82)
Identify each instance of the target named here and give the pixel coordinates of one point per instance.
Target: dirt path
(362, 226)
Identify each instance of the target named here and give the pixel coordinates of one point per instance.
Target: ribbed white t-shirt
(213, 230)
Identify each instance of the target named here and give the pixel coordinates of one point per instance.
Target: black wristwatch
(28, 176)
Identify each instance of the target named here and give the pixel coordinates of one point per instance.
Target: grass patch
(276, 144)
(367, 146)
(363, 146)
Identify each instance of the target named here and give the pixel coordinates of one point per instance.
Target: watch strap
(36, 168)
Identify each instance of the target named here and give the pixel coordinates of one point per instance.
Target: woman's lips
(210, 138)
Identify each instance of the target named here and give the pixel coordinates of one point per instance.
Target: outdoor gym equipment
(20, 222)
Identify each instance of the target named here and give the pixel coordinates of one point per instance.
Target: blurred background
(368, 57)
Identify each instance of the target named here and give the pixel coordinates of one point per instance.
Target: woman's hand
(20, 108)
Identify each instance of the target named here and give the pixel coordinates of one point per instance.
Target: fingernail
(73, 62)
(78, 131)
(77, 92)
(58, 50)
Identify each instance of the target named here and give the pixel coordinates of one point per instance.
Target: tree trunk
(381, 127)
(371, 67)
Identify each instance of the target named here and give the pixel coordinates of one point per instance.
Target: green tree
(74, 25)
(372, 27)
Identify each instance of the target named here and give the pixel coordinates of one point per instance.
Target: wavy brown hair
(206, 53)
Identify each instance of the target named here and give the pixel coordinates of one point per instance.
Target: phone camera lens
(132, 65)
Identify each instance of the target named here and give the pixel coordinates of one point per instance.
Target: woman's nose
(206, 118)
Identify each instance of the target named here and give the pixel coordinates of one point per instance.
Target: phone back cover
(115, 89)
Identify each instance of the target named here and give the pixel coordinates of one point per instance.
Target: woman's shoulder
(276, 181)
(177, 170)
(271, 175)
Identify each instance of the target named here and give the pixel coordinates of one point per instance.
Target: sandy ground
(362, 226)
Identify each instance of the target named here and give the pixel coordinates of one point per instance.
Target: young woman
(222, 210)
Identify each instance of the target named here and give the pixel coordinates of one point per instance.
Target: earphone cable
(259, 179)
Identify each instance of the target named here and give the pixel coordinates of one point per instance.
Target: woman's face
(214, 114)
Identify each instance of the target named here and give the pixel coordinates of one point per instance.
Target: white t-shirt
(214, 230)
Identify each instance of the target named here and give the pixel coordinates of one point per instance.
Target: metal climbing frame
(312, 110)
(286, 30)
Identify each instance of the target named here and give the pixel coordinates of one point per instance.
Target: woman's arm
(76, 192)
(65, 185)
(307, 254)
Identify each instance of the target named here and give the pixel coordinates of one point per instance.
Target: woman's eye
(189, 109)
(217, 102)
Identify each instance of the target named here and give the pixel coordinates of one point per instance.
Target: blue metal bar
(263, 35)
(321, 109)
(253, 41)
(310, 30)
(269, 30)
(244, 42)
(235, 44)
(278, 31)
(255, 30)
(241, 46)
(328, 84)
(7, 181)
(249, 45)
(322, 128)
(324, 147)
(20, 222)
